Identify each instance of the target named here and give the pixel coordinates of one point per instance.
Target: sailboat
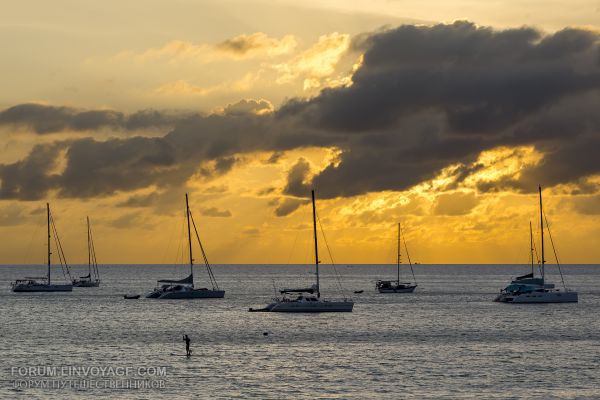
(44, 284)
(308, 300)
(92, 279)
(184, 288)
(528, 288)
(397, 286)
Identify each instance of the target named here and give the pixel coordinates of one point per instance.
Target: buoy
(266, 333)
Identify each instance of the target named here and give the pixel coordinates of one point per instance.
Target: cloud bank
(423, 99)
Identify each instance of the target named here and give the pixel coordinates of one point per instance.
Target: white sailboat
(528, 289)
(44, 284)
(308, 300)
(184, 288)
(397, 286)
(92, 279)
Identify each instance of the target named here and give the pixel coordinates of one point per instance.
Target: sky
(442, 115)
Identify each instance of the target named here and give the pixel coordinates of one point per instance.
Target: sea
(447, 340)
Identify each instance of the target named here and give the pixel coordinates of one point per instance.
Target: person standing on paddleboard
(187, 340)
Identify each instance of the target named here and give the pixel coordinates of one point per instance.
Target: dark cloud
(145, 200)
(428, 97)
(288, 206)
(215, 212)
(296, 178)
(249, 106)
(31, 178)
(240, 45)
(275, 157)
(45, 119)
(100, 168)
(423, 99)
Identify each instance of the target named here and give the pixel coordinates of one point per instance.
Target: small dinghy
(131, 296)
(358, 291)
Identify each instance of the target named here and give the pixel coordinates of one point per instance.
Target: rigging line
(64, 256)
(554, 250)
(93, 256)
(211, 276)
(61, 254)
(408, 255)
(54, 235)
(336, 273)
(537, 257)
(58, 252)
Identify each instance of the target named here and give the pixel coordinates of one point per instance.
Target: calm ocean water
(447, 340)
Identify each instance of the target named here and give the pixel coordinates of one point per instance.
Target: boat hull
(308, 307)
(192, 294)
(397, 290)
(42, 288)
(538, 297)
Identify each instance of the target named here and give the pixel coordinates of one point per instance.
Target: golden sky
(444, 115)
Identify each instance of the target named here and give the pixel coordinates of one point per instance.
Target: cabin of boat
(38, 284)
(535, 294)
(395, 287)
(534, 290)
(183, 289)
(86, 281)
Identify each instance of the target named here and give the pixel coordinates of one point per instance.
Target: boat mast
(531, 246)
(48, 215)
(542, 232)
(89, 248)
(187, 209)
(398, 255)
(316, 245)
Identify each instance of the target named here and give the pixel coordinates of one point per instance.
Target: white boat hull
(557, 296)
(42, 288)
(309, 307)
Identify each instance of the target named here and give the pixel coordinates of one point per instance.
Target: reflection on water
(446, 340)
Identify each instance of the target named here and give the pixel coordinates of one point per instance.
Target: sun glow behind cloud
(270, 113)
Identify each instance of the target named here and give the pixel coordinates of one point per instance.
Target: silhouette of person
(187, 340)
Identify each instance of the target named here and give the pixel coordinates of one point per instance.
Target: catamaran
(184, 288)
(44, 284)
(397, 286)
(92, 279)
(308, 300)
(528, 288)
